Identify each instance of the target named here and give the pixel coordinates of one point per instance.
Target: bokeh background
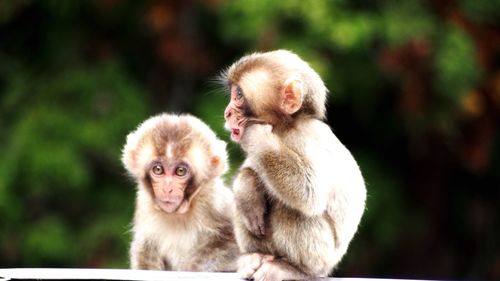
(415, 95)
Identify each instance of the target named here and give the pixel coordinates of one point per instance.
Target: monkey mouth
(167, 206)
(236, 131)
(235, 134)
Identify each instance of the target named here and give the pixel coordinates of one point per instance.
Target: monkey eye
(239, 93)
(157, 169)
(181, 171)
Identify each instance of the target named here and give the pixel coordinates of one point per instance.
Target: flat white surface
(129, 274)
(110, 274)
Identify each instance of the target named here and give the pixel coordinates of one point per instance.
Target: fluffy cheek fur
(259, 137)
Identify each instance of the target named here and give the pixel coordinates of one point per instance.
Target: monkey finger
(251, 227)
(248, 264)
(267, 272)
(246, 272)
(274, 269)
(258, 226)
(267, 258)
(262, 230)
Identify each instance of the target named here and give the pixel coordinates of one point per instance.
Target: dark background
(415, 95)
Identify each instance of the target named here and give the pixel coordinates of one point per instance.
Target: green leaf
(456, 68)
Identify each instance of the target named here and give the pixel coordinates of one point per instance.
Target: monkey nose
(227, 113)
(168, 188)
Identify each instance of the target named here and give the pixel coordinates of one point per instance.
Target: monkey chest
(177, 249)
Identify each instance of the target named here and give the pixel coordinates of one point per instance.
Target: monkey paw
(276, 270)
(254, 222)
(248, 264)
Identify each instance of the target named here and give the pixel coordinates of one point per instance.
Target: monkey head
(275, 88)
(172, 156)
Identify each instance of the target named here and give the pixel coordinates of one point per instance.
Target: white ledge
(108, 274)
(126, 274)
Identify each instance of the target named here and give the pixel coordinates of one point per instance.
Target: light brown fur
(198, 234)
(298, 184)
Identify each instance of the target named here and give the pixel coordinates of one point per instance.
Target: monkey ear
(292, 95)
(218, 161)
(215, 161)
(129, 154)
(217, 165)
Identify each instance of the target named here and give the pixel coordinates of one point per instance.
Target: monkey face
(169, 183)
(172, 157)
(264, 89)
(236, 113)
(274, 88)
(252, 99)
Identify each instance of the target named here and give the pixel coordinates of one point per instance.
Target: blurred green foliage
(63, 133)
(415, 95)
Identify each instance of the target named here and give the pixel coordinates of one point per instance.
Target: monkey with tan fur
(299, 194)
(182, 218)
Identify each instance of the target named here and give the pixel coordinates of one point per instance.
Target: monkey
(299, 193)
(182, 219)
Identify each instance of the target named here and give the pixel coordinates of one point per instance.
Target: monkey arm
(250, 196)
(287, 175)
(144, 255)
(216, 252)
(292, 181)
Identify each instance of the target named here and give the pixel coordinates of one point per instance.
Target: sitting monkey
(183, 210)
(299, 194)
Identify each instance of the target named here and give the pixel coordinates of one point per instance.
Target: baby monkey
(182, 217)
(299, 193)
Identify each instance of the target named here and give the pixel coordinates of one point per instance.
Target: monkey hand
(257, 135)
(253, 218)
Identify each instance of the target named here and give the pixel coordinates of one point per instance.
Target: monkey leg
(252, 233)
(254, 250)
(219, 253)
(251, 203)
(304, 243)
(145, 255)
(247, 241)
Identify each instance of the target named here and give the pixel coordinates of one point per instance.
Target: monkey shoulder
(312, 136)
(319, 135)
(332, 162)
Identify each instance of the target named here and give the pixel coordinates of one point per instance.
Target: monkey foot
(248, 264)
(277, 270)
